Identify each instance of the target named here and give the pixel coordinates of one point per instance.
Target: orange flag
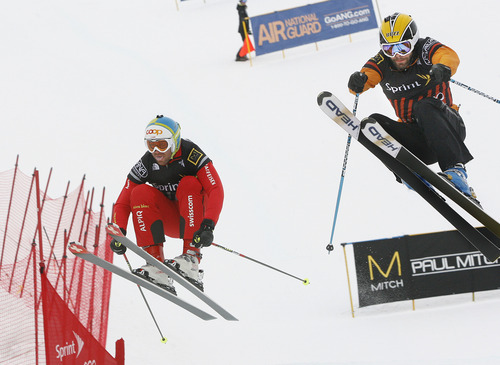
(247, 47)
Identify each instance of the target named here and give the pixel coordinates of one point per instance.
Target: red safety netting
(27, 247)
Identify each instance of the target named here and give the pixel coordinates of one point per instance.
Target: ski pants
(436, 135)
(155, 216)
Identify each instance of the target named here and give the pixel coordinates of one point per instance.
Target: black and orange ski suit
(428, 122)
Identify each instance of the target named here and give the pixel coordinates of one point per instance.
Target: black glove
(357, 82)
(116, 246)
(204, 236)
(440, 73)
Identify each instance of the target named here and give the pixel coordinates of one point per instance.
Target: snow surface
(80, 80)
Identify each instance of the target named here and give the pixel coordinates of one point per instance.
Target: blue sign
(311, 23)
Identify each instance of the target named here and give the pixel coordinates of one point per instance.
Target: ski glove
(440, 73)
(204, 236)
(357, 82)
(116, 246)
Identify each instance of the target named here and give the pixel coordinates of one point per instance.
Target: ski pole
(475, 91)
(304, 281)
(163, 338)
(329, 247)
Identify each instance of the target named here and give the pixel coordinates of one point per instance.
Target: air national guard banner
(311, 23)
(422, 266)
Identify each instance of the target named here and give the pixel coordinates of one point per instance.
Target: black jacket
(243, 17)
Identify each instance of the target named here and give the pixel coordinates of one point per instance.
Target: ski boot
(241, 59)
(156, 276)
(457, 175)
(187, 266)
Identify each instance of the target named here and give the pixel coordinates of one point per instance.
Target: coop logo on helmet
(164, 128)
(155, 132)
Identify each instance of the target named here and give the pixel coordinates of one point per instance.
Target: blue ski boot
(457, 175)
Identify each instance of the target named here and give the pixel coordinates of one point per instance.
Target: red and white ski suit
(170, 200)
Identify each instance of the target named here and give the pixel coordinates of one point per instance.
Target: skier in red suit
(174, 190)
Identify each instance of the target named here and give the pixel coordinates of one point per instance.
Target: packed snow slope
(81, 79)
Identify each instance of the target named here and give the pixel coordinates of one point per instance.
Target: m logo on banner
(371, 262)
(382, 273)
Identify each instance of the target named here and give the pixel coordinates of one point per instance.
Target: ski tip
(322, 95)
(76, 248)
(114, 229)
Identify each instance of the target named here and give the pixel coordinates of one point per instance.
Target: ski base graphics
(410, 169)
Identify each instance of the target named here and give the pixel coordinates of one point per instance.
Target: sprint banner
(422, 266)
(311, 23)
(67, 341)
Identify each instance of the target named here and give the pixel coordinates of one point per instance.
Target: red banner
(67, 341)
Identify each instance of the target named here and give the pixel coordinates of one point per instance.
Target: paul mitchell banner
(421, 266)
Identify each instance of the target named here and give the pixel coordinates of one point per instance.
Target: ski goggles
(391, 50)
(161, 145)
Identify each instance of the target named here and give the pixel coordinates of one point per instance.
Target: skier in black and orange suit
(173, 190)
(414, 74)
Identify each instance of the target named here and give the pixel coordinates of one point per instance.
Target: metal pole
(304, 281)
(475, 91)
(163, 338)
(329, 247)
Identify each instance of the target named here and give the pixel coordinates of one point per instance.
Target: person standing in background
(243, 19)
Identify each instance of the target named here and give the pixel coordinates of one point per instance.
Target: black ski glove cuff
(440, 73)
(116, 246)
(357, 82)
(204, 236)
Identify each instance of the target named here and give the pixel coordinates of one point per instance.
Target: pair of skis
(407, 166)
(395, 156)
(80, 251)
